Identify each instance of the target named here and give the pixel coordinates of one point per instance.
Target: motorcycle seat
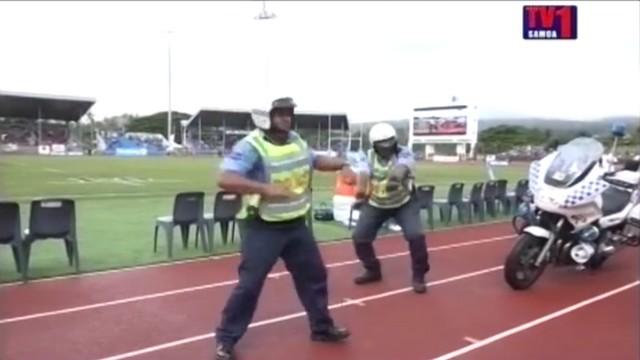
(614, 200)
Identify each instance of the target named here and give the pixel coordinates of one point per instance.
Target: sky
(372, 60)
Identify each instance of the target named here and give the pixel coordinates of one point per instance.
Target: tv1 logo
(550, 22)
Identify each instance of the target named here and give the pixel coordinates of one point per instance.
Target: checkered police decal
(585, 193)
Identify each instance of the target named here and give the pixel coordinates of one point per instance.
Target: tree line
(503, 138)
(496, 139)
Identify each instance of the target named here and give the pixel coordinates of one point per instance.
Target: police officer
(387, 174)
(271, 167)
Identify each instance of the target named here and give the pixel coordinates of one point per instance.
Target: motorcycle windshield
(573, 159)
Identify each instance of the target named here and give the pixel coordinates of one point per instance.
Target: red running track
(469, 311)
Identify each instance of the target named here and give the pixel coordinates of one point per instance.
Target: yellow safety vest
(288, 165)
(379, 196)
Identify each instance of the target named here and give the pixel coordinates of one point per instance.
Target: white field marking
(536, 322)
(297, 315)
(53, 170)
(216, 257)
(92, 196)
(125, 180)
(470, 339)
(206, 287)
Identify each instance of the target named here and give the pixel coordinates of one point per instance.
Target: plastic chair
(188, 209)
(518, 196)
(356, 206)
(501, 196)
(10, 233)
(454, 199)
(225, 208)
(425, 195)
(489, 197)
(475, 203)
(53, 219)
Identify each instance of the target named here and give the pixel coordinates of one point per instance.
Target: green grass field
(118, 200)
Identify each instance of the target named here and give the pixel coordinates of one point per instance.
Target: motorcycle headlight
(589, 234)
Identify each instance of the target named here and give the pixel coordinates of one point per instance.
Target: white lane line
(355, 302)
(224, 256)
(470, 339)
(438, 248)
(535, 322)
(220, 284)
(297, 315)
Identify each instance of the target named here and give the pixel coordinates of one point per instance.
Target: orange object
(345, 186)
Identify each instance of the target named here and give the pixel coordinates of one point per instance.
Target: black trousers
(262, 244)
(407, 216)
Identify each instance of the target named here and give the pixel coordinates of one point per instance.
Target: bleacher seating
(136, 143)
(22, 132)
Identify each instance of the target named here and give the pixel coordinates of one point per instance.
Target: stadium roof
(241, 119)
(39, 106)
(450, 107)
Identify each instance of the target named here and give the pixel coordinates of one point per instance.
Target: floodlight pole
(264, 15)
(169, 73)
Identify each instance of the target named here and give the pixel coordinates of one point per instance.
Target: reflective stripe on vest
(286, 165)
(380, 197)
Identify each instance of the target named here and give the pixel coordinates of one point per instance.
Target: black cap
(285, 102)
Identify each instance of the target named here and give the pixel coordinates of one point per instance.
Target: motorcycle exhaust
(607, 249)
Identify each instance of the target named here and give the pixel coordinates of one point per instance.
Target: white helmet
(381, 132)
(262, 119)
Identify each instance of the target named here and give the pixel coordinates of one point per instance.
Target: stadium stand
(213, 130)
(36, 123)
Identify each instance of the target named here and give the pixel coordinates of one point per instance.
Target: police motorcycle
(582, 211)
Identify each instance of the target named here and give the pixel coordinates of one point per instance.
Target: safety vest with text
(287, 165)
(379, 196)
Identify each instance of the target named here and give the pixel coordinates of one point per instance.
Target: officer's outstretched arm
(328, 163)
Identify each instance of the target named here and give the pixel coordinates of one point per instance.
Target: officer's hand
(278, 192)
(393, 185)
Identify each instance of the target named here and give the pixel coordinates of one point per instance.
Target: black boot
(369, 276)
(224, 352)
(419, 284)
(333, 334)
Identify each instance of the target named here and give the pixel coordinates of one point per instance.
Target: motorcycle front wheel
(518, 223)
(520, 271)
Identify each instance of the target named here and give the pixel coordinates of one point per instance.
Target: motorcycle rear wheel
(520, 271)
